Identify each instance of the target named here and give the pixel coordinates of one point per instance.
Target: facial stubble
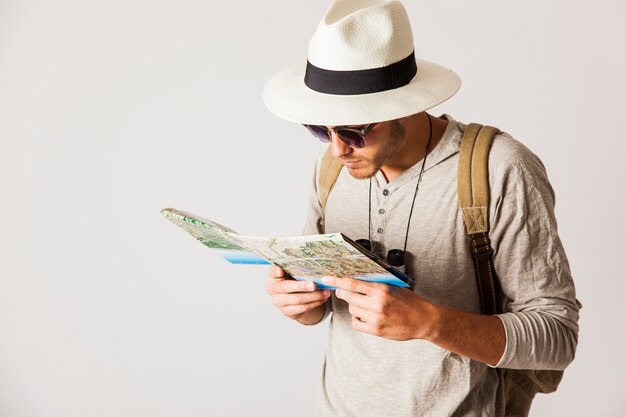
(397, 134)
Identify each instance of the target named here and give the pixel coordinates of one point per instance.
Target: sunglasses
(351, 136)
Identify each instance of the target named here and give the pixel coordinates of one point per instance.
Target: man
(393, 351)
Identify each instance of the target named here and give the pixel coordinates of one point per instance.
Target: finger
(296, 310)
(354, 298)
(362, 326)
(291, 286)
(282, 285)
(362, 314)
(350, 284)
(276, 272)
(283, 300)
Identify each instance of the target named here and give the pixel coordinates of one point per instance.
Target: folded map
(303, 257)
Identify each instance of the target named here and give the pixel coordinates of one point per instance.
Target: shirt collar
(448, 146)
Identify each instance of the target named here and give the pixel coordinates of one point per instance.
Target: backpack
(520, 386)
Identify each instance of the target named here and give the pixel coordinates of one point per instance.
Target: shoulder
(515, 169)
(508, 154)
(512, 164)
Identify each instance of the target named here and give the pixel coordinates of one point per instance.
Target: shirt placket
(379, 220)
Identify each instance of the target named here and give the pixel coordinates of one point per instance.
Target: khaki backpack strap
(473, 177)
(328, 173)
(473, 192)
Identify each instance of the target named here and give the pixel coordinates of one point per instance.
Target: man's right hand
(298, 300)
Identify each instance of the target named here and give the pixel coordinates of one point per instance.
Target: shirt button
(380, 230)
(385, 192)
(381, 211)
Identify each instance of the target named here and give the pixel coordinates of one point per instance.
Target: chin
(362, 173)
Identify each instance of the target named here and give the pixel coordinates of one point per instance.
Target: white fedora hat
(361, 69)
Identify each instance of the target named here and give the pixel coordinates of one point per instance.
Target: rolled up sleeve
(541, 311)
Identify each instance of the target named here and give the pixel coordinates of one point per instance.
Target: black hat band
(365, 81)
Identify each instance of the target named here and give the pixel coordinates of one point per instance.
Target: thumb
(276, 272)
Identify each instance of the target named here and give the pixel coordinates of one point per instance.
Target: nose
(338, 148)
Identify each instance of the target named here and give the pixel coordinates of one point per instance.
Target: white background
(112, 110)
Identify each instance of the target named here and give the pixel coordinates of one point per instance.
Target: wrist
(432, 322)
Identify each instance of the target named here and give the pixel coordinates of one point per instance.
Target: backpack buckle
(481, 245)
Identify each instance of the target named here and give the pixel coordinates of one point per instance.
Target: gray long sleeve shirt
(365, 375)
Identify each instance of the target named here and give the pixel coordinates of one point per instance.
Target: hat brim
(286, 95)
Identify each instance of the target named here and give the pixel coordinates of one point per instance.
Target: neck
(413, 147)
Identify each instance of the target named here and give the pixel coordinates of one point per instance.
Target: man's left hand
(383, 310)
